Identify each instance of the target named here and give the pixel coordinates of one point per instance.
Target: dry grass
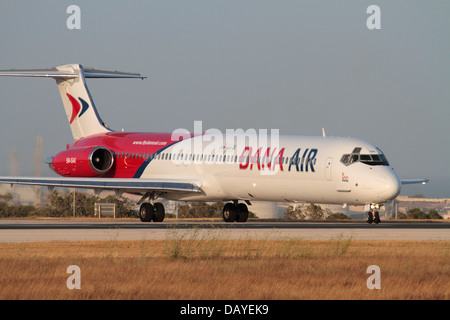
(188, 267)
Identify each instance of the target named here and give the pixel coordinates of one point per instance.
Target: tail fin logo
(76, 107)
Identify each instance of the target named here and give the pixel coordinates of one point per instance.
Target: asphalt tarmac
(38, 230)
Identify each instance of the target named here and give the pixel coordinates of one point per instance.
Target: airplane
(203, 167)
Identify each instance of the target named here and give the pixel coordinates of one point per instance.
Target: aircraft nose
(391, 186)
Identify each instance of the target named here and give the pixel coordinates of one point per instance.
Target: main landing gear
(155, 212)
(235, 212)
(152, 212)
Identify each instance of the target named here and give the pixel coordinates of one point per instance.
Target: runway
(43, 230)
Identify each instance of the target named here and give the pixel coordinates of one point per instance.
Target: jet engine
(83, 162)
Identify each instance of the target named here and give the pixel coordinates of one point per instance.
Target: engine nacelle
(83, 162)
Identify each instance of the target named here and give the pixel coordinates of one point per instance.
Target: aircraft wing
(119, 185)
(414, 181)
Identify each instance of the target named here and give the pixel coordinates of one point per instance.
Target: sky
(297, 66)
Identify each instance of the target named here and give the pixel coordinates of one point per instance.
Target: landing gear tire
(242, 212)
(149, 212)
(146, 212)
(373, 217)
(229, 212)
(232, 212)
(369, 217)
(377, 217)
(159, 212)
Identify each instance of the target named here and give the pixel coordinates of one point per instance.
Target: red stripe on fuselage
(134, 148)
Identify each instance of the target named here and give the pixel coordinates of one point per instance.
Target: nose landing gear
(373, 216)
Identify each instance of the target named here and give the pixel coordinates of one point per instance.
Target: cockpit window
(369, 159)
(365, 157)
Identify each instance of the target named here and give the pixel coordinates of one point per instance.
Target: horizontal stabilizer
(44, 73)
(93, 73)
(54, 73)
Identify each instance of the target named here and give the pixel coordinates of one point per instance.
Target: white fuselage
(297, 169)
